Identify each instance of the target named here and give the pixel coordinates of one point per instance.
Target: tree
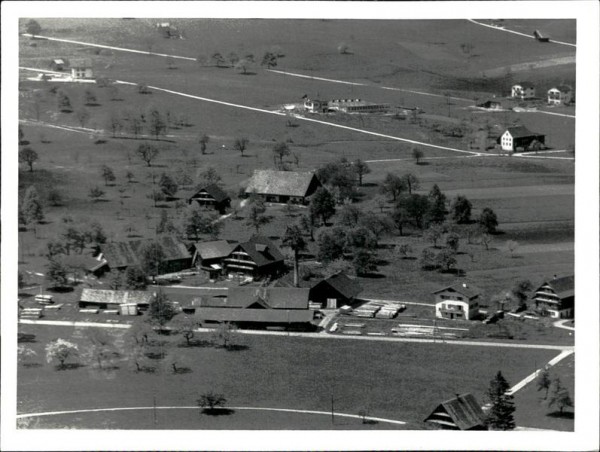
(256, 217)
(322, 205)
(269, 60)
(156, 196)
(31, 207)
(240, 144)
(411, 182)
(161, 310)
(341, 177)
(486, 239)
(392, 185)
(224, 335)
(94, 233)
(399, 217)
(403, 250)
(244, 64)
(64, 103)
(186, 327)
(135, 125)
(56, 274)
(129, 176)
(416, 207)
(101, 348)
(488, 220)
(139, 333)
(512, 245)
(437, 205)
(377, 225)
(210, 176)
(209, 402)
(417, 155)
(152, 255)
(428, 259)
(461, 209)
(203, 140)
(543, 382)
(358, 238)
(453, 241)
(364, 262)
(107, 174)
(117, 280)
(156, 123)
(167, 185)
(218, 59)
(147, 152)
(83, 116)
(307, 224)
(331, 244)
(135, 278)
(361, 168)
(349, 215)
(61, 350)
(33, 27)
(114, 122)
(280, 150)
(90, 97)
(446, 259)
(95, 194)
(433, 234)
(500, 416)
(74, 238)
(294, 239)
(26, 354)
(560, 397)
(165, 225)
(197, 223)
(28, 156)
(520, 291)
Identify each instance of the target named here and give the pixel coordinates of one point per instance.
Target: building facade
(81, 69)
(560, 95)
(523, 90)
(556, 297)
(460, 302)
(520, 138)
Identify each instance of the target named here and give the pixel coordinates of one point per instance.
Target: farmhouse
(257, 257)
(560, 95)
(81, 68)
(258, 306)
(460, 413)
(211, 196)
(523, 90)
(556, 297)
(357, 106)
(58, 64)
(113, 299)
(459, 301)
(283, 186)
(121, 255)
(520, 138)
(209, 255)
(491, 105)
(88, 265)
(316, 106)
(335, 291)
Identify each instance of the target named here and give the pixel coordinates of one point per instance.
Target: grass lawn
(391, 380)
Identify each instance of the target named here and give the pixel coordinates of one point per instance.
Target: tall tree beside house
(364, 262)
(461, 209)
(417, 207)
(361, 168)
(488, 220)
(437, 205)
(256, 217)
(240, 144)
(411, 182)
(147, 153)
(198, 223)
(161, 309)
(500, 416)
(521, 292)
(322, 205)
(28, 156)
(135, 278)
(152, 255)
(107, 174)
(56, 274)
(331, 244)
(294, 239)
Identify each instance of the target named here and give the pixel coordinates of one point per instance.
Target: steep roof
(261, 250)
(269, 297)
(287, 183)
(563, 287)
(524, 84)
(255, 315)
(80, 63)
(521, 132)
(346, 286)
(190, 296)
(214, 249)
(216, 192)
(88, 263)
(461, 288)
(464, 410)
(125, 254)
(115, 296)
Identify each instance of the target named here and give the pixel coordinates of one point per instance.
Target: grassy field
(276, 372)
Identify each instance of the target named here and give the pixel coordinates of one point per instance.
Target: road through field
(494, 27)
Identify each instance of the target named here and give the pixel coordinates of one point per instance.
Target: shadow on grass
(153, 355)
(370, 422)
(563, 415)
(182, 370)
(195, 343)
(236, 348)
(29, 365)
(218, 411)
(26, 338)
(69, 366)
(372, 275)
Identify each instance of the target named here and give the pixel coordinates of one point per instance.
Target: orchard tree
(167, 185)
(107, 174)
(223, 335)
(210, 176)
(446, 259)
(114, 123)
(349, 215)
(543, 382)
(416, 206)
(417, 155)
(433, 234)
(322, 205)
(392, 185)
(488, 220)
(437, 205)
(83, 116)
(358, 238)
(428, 259)
(453, 241)
(161, 310)
(256, 217)
(269, 60)
(147, 152)
(293, 238)
(61, 350)
(376, 224)
(90, 97)
(512, 245)
(461, 209)
(307, 224)
(240, 144)
(152, 255)
(399, 217)
(403, 250)
(364, 262)
(521, 290)
(156, 196)
(101, 348)
(64, 103)
(185, 326)
(280, 150)
(411, 182)
(210, 402)
(95, 194)
(500, 416)
(560, 397)
(203, 140)
(156, 122)
(331, 244)
(361, 168)
(486, 239)
(28, 156)
(56, 274)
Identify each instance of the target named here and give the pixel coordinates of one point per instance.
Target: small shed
(113, 299)
(58, 64)
(335, 291)
(460, 413)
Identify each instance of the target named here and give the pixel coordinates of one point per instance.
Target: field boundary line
(506, 30)
(241, 408)
(520, 385)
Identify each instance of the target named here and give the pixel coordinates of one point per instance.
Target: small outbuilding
(491, 105)
(463, 412)
(335, 291)
(523, 90)
(521, 138)
(58, 64)
(460, 301)
(283, 186)
(560, 95)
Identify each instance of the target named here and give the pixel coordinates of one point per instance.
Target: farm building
(121, 255)
(58, 64)
(209, 255)
(257, 257)
(523, 90)
(335, 291)
(459, 301)
(460, 413)
(560, 95)
(491, 105)
(357, 106)
(316, 106)
(539, 37)
(81, 263)
(211, 196)
(520, 138)
(283, 186)
(258, 306)
(113, 299)
(81, 68)
(556, 297)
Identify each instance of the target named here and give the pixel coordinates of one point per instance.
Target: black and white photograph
(300, 225)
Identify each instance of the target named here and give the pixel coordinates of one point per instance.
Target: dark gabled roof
(80, 62)
(125, 254)
(268, 297)
(521, 132)
(216, 192)
(563, 287)
(286, 183)
(462, 288)
(255, 315)
(261, 250)
(115, 296)
(562, 88)
(346, 286)
(189, 296)
(88, 263)
(525, 84)
(214, 249)
(464, 410)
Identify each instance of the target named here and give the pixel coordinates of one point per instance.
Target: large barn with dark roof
(283, 186)
(460, 413)
(257, 257)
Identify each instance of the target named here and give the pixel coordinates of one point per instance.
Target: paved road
(561, 324)
(494, 27)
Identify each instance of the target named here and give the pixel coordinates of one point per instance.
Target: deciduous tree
(461, 209)
(152, 255)
(543, 382)
(488, 220)
(61, 350)
(147, 152)
(437, 205)
(209, 402)
(411, 182)
(417, 155)
(240, 144)
(203, 140)
(560, 397)
(361, 168)
(293, 238)
(161, 309)
(392, 185)
(28, 156)
(95, 194)
(33, 27)
(364, 262)
(280, 150)
(107, 174)
(135, 278)
(322, 205)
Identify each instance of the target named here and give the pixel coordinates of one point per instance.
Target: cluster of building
(79, 68)
(557, 95)
(344, 105)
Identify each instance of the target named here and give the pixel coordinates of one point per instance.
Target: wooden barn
(258, 257)
(113, 299)
(283, 186)
(211, 196)
(460, 413)
(209, 255)
(556, 297)
(335, 291)
(520, 138)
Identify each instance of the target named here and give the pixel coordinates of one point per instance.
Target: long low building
(113, 299)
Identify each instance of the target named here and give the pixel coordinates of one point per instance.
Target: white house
(523, 90)
(316, 106)
(519, 137)
(560, 95)
(460, 301)
(81, 68)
